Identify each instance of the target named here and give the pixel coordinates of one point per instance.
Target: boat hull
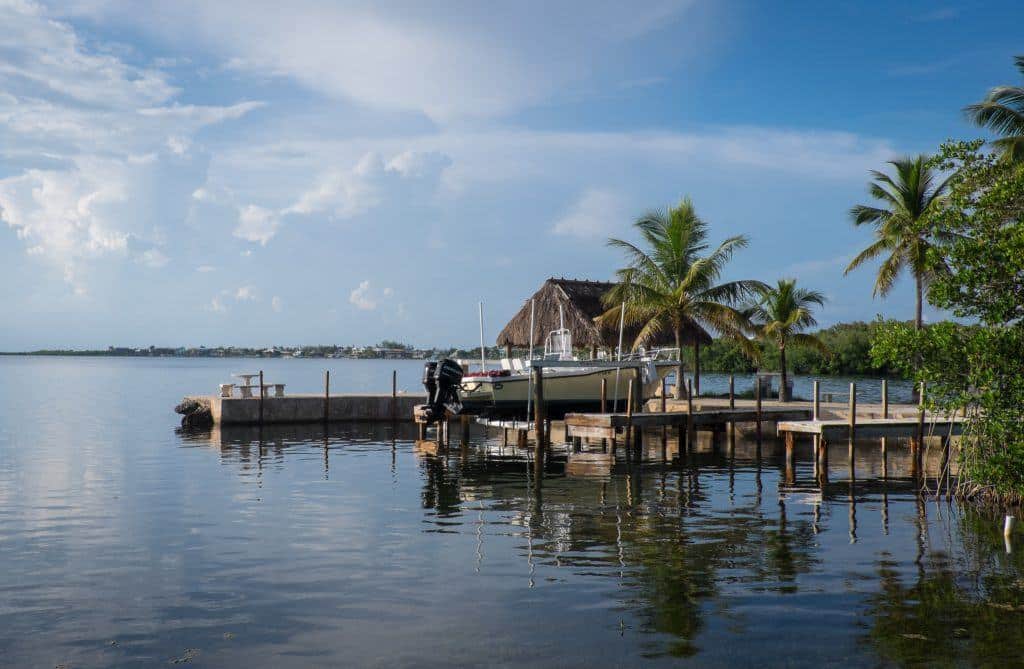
(578, 389)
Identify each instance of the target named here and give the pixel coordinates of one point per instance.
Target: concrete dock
(310, 408)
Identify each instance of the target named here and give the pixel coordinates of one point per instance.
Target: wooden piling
(538, 406)
(394, 395)
(853, 418)
(604, 406)
(816, 401)
(885, 398)
(917, 444)
(261, 397)
(327, 395)
(691, 425)
(629, 417)
(757, 408)
(732, 391)
(664, 428)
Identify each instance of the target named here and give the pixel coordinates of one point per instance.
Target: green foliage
(847, 348)
(671, 284)
(977, 368)
(904, 230)
(1002, 111)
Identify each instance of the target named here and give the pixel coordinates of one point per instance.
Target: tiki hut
(581, 305)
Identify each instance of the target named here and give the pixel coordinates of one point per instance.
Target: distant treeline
(849, 353)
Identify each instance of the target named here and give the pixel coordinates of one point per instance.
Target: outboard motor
(442, 381)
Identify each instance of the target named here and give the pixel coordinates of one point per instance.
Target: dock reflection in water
(291, 546)
(725, 557)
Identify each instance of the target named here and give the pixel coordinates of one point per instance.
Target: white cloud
(276, 304)
(360, 296)
(595, 215)
(74, 107)
(257, 224)
(216, 305)
(432, 57)
(206, 268)
(349, 192)
(200, 115)
(245, 294)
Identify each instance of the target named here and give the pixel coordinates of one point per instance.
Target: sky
(258, 173)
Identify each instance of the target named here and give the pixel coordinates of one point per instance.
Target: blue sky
(315, 172)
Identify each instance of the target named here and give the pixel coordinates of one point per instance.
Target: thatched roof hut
(581, 305)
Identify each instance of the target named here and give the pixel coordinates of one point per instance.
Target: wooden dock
(608, 425)
(874, 428)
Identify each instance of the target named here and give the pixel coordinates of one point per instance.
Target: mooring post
(664, 427)
(629, 417)
(394, 395)
(691, 425)
(261, 397)
(816, 415)
(732, 391)
(464, 424)
(327, 395)
(885, 398)
(538, 405)
(604, 407)
(853, 415)
(757, 410)
(917, 443)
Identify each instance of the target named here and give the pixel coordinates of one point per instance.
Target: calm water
(124, 542)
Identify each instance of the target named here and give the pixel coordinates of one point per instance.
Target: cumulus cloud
(103, 127)
(367, 298)
(596, 214)
(348, 192)
(276, 304)
(256, 224)
(245, 294)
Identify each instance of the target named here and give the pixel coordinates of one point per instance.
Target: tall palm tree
(1002, 111)
(780, 316)
(904, 232)
(672, 286)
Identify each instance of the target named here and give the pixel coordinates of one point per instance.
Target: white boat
(504, 387)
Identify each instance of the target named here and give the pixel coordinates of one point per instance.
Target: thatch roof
(581, 305)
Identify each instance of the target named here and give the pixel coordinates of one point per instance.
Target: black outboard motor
(442, 381)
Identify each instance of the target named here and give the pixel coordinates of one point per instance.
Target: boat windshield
(558, 345)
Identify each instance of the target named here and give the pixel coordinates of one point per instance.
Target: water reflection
(358, 544)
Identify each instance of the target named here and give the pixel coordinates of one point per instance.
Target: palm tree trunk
(679, 366)
(783, 389)
(918, 320)
(696, 367)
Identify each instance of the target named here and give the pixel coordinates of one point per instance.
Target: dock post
(327, 395)
(691, 426)
(664, 428)
(757, 411)
(629, 417)
(917, 444)
(790, 474)
(853, 416)
(604, 407)
(732, 391)
(538, 406)
(816, 416)
(464, 424)
(261, 398)
(884, 441)
(394, 395)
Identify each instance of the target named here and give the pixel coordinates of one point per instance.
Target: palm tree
(780, 316)
(672, 286)
(903, 228)
(1002, 111)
